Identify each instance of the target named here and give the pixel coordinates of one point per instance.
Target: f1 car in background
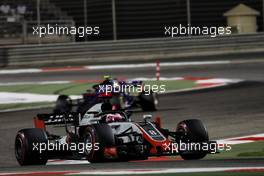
(120, 98)
(110, 134)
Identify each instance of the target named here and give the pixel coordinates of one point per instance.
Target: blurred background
(119, 20)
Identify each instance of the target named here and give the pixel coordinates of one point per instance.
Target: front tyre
(193, 131)
(98, 136)
(25, 152)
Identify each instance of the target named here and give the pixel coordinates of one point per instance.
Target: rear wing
(41, 120)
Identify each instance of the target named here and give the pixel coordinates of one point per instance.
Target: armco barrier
(131, 50)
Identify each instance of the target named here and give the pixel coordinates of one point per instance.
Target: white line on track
(17, 71)
(60, 162)
(146, 65)
(140, 171)
(34, 82)
(237, 140)
(218, 81)
(167, 171)
(12, 97)
(115, 66)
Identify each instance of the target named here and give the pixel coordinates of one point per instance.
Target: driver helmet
(106, 107)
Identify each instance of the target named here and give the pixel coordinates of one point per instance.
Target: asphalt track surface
(227, 112)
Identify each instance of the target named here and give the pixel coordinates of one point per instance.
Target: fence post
(85, 16)
(114, 19)
(263, 14)
(24, 29)
(73, 38)
(188, 4)
(38, 18)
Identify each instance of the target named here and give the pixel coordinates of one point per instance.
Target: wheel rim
(88, 140)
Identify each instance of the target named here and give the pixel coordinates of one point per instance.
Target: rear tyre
(63, 104)
(25, 152)
(148, 102)
(193, 130)
(98, 136)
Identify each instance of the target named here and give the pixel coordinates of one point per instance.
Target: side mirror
(147, 117)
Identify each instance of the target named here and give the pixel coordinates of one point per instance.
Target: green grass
(252, 154)
(247, 150)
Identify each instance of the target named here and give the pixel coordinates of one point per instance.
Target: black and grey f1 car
(102, 135)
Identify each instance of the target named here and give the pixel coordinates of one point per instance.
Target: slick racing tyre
(63, 104)
(193, 131)
(25, 152)
(98, 136)
(148, 102)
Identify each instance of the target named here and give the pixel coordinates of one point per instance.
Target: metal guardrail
(132, 50)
